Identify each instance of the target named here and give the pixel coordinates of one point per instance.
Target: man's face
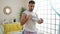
(31, 6)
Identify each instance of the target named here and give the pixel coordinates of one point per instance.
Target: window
(49, 11)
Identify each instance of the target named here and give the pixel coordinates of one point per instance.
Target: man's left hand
(40, 21)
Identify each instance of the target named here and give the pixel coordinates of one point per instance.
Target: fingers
(41, 20)
(30, 17)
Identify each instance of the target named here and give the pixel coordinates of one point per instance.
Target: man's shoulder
(25, 11)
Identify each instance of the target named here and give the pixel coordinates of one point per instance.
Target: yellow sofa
(12, 27)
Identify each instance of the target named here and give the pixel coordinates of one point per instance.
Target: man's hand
(23, 19)
(40, 21)
(29, 17)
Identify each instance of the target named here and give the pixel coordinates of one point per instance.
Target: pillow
(14, 32)
(12, 27)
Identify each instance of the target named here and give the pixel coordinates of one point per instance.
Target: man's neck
(30, 11)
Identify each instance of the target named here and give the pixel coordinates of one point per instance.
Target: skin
(24, 17)
(31, 7)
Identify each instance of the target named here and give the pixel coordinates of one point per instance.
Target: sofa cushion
(12, 27)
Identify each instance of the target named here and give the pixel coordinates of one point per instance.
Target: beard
(31, 10)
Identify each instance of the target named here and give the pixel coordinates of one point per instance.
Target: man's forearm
(23, 21)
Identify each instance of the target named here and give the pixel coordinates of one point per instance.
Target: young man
(29, 19)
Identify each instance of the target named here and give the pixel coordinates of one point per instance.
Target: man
(29, 19)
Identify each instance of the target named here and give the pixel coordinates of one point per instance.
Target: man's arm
(39, 21)
(23, 19)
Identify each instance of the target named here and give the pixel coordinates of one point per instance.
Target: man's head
(31, 5)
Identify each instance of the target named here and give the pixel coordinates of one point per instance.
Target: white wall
(15, 6)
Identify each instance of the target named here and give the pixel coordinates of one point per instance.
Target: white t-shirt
(30, 25)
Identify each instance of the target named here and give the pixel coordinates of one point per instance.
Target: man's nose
(32, 7)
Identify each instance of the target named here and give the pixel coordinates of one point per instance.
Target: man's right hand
(23, 19)
(29, 17)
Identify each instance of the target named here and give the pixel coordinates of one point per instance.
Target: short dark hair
(33, 2)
